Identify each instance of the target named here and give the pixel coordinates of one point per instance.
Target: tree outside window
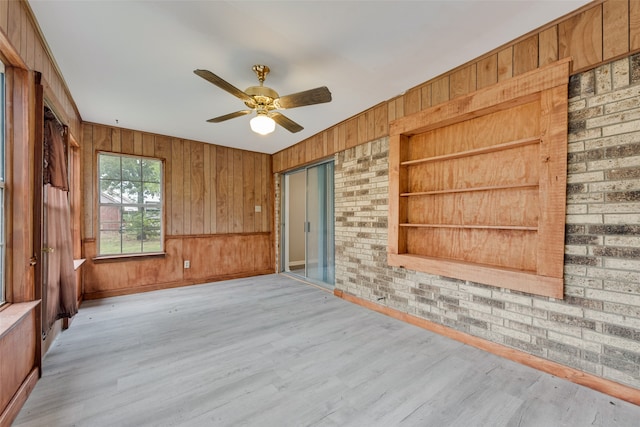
(130, 217)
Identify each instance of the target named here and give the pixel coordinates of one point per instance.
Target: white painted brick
(577, 209)
(624, 276)
(558, 307)
(617, 163)
(612, 141)
(486, 316)
(575, 250)
(622, 219)
(630, 92)
(620, 73)
(618, 376)
(577, 168)
(585, 177)
(585, 198)
(617, 297)
(621, 128)
(514, 298)
(584, 219)
(577, 105)
(624, 185)
(626, 241)
(622, 264)
(603, 79)
(585, 282)
(622, 105)
(528, 311)
(558, 327)
(611, 340)
(575, 342)
(477, 307)
(484, 292)
(618, 119)
(511, 333)
(617, 208)
(576, 147)
(586, 134)
(600, 316)
(488, 335)
(510, 315)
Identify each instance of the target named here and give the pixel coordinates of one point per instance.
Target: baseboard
(169, 285)
(15, 404)
(594, 382)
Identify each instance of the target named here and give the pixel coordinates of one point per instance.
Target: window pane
(110, 217)
(109, 167)
(151, 170)
(131, 191)
(110, 191)
(151, 192)
(110, 242)
(131, 169)
(153, 244)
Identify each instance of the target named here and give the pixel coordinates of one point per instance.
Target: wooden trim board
(13, 408)
(600, 384)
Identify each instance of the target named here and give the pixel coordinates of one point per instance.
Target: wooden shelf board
(469, 190)
(475, 152)
(481, 227)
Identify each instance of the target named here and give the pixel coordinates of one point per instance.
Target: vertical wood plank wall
(210, 198)
(24, 52)
(595, 34)
(16, 21)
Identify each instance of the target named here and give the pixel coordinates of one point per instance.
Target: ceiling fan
(265, 101)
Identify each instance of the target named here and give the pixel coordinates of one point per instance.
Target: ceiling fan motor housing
(263, 97)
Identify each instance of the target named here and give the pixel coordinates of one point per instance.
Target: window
(3, 295)
(130, 214)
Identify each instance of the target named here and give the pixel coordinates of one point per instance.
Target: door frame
(284, 221)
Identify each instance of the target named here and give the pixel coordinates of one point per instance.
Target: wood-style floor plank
(271, 351)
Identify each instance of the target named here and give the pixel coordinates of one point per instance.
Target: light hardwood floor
(271, 351)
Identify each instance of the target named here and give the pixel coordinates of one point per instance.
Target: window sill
(127, 257)
(12, 314)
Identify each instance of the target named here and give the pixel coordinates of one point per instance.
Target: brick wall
(596, 328)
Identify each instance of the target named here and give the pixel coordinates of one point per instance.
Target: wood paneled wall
(595, 34)
(211, 195)
(24, 53)
(24, 37)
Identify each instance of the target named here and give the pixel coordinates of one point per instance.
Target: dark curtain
(60, 293)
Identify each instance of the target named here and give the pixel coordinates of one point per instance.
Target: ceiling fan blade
(318, 95)
(285, 122)
(229, 116)
(223, 84)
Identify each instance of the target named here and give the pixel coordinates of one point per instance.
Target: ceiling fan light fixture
(262, 124)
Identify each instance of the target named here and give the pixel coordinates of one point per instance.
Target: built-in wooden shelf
(469, 190)
(475, 152)
(459, 170)
(472, 226)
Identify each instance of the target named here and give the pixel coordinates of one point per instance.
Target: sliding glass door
(308, 223)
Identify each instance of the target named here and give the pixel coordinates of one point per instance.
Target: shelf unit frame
(437, 185)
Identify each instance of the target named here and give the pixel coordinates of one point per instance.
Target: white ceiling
(130, 63)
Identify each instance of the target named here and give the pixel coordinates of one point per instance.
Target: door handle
(48, 250)
(307, 227)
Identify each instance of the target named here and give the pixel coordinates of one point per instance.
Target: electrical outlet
(187, 263)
